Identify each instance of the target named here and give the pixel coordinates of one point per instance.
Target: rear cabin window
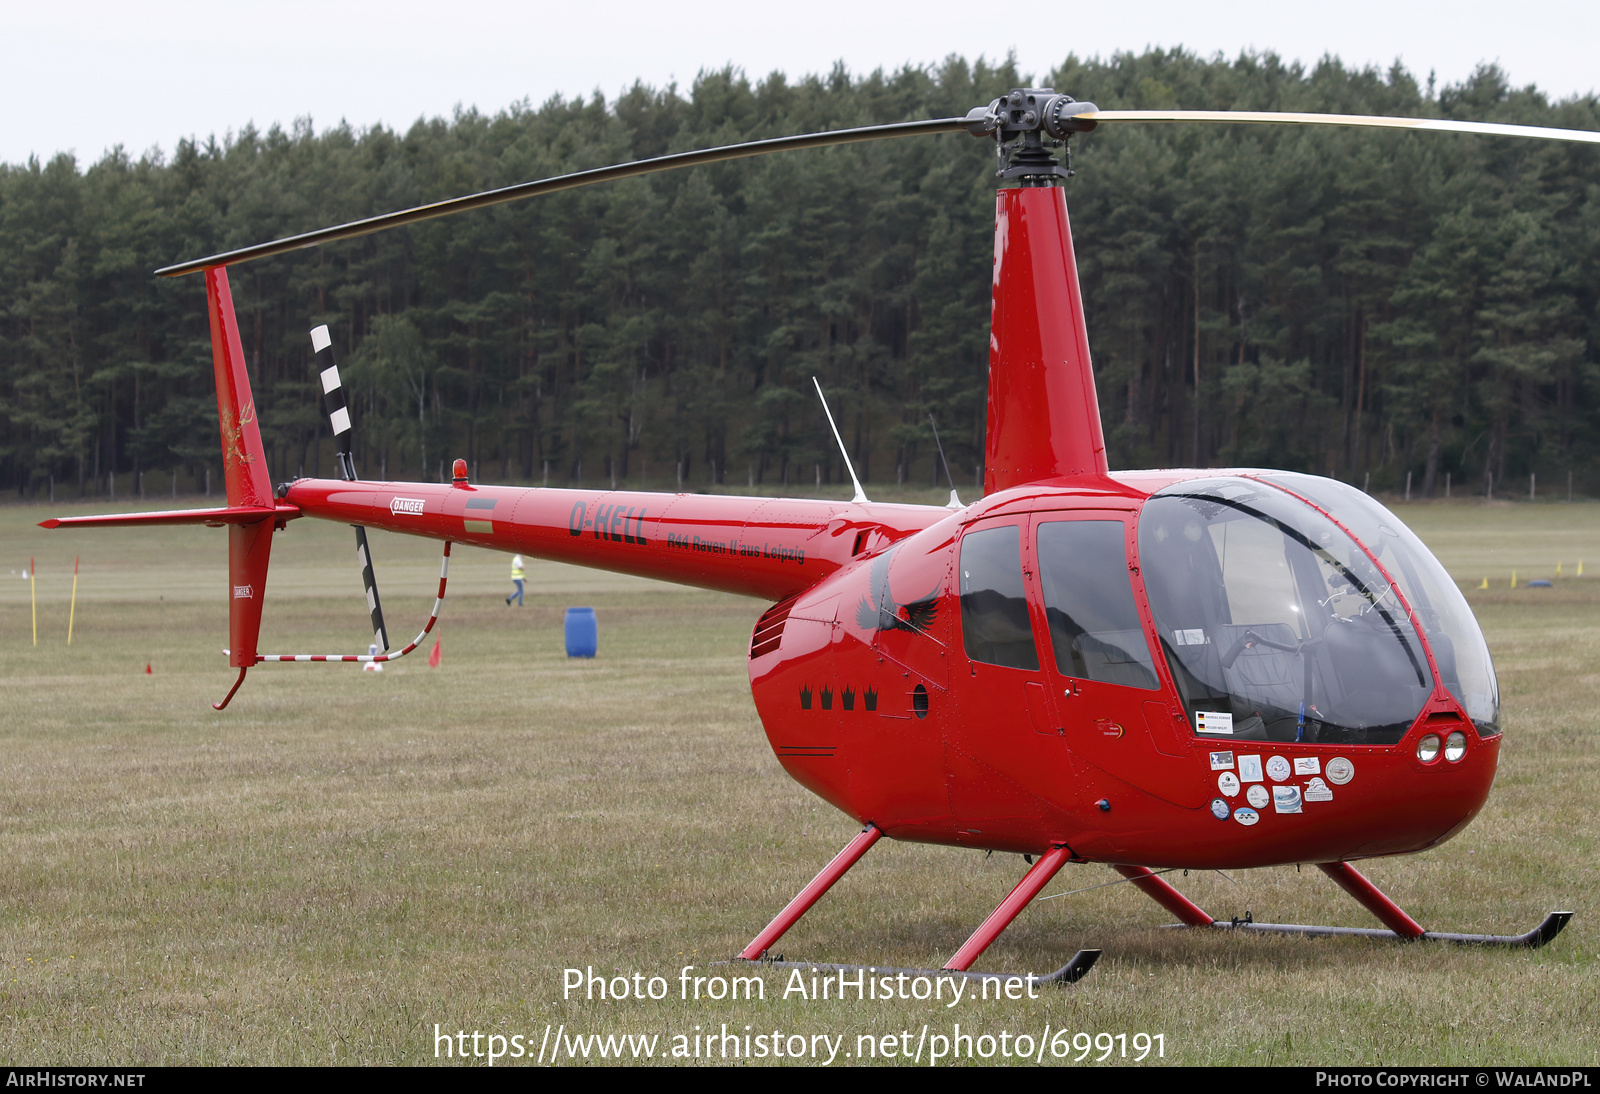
(994, 605)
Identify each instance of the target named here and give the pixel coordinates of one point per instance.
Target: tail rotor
(333, 401)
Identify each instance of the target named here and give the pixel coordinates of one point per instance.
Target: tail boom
(764, 547)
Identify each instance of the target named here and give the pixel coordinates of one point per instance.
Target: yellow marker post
(1580, 567)
(1513, 579)
(72, 613)
(1485, 584)
(33, 600)
(1558, 569)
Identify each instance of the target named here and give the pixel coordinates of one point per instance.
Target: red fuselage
(884, 715)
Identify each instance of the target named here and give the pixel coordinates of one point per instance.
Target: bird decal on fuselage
(878, 610)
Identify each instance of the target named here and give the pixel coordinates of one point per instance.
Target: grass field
(344, 859)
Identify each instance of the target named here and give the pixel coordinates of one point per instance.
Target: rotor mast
(1043, 415)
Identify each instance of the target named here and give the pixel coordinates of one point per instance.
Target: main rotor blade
(1272, 117)
(569, 182)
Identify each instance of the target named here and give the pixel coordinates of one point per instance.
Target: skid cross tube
(1165, 895)
(999, 919)
(1371, 898)
(812, 893)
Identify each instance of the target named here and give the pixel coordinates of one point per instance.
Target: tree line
(1382, 307)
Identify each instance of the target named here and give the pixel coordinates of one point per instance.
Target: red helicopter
(1202, 669)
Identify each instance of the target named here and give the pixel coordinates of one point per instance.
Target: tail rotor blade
(380, 634)
(333, 401)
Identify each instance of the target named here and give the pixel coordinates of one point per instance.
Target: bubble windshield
(1275, 623)
(1459, 649)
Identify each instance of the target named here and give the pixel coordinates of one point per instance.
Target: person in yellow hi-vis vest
(517, 577)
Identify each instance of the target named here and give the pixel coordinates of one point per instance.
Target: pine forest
(1385, 308)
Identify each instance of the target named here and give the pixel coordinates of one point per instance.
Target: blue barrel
(583, 635)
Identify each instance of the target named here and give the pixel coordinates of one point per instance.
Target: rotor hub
(1025, 124)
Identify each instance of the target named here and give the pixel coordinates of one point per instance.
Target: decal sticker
(485, 507)
(411, 506)
(1108, 728)
(1257, 796)
(1228, 783)
(234, 449)
(1286, 799)
(1278, 768)
(827, 697)
(1340, 770)
(870, 698)
(609, 518)
(805, 697)
(1222, 761)
(622, 524)
(1195, 637)
(1249, 769)
(244, 592)
(1317, 791)
(1219, 809)
(1307, 765)
(1246, 817)
(1211, 721)
(847, 698)
(879, 611)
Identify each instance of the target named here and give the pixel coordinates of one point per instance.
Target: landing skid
(1532, 940)
(1399, 926)
(1070, 973)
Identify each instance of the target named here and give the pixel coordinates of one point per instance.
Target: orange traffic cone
(437, 654)
(147, 668)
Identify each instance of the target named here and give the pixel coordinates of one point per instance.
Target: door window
(1095, 631)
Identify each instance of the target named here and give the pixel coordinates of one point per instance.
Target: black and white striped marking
(333, 400)
(339, 417)
(380, 633)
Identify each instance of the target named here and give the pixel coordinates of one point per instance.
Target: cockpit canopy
(1277, 625)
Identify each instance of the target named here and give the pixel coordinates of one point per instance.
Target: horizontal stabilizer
(216, 518)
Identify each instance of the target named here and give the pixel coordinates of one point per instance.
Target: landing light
(1428, 748)
(1455, 746)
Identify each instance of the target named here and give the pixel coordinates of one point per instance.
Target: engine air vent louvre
(769, 628)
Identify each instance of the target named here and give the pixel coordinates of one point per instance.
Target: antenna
(861, 495)
(955, 502)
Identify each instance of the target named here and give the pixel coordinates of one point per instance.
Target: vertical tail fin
(244, 467)
(244, 458)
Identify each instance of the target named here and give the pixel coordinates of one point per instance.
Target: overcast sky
(83, 77)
